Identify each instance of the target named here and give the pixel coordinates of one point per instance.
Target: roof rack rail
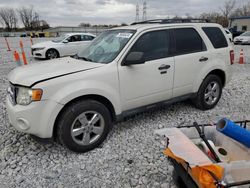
(174, 20)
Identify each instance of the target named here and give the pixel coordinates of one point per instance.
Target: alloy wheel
(212, 93)
(87, 128)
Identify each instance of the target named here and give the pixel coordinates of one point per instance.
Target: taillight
(232, 57)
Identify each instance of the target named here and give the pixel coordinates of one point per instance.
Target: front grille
(12, 94)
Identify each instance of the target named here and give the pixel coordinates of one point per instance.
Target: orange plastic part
(16, 56)
(201, 174)
(241, 61)
(37, 94)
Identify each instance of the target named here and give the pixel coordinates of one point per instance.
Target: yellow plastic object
(201, 174)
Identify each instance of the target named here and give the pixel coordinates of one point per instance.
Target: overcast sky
(73, 12)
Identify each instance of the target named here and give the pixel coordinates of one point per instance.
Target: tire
(75, 130)
(212, 97)
(52, 54)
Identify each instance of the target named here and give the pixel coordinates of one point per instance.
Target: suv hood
(29, 75)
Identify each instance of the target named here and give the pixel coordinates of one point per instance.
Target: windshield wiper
(83, 58)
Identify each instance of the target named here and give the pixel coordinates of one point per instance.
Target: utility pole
(137, 17)
(144, 16)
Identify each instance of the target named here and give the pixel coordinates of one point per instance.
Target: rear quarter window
(216, 36)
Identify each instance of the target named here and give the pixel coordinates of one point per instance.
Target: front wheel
(209, 93)
(84, 125)
(52, 54)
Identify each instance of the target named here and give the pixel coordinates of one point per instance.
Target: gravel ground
(130, 157)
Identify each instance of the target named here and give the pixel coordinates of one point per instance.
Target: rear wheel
(52, 54)
(84, 125)
(209, 93)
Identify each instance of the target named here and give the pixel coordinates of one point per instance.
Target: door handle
(164, 67)
(203, 59)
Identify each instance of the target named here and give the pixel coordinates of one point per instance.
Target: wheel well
(53, 49)
(98, 98)
(221, 74)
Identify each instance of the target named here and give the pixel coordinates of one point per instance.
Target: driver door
(73, 45)
(151, 82)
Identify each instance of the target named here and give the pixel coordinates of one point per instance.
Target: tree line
(30, 19)
(227, 11)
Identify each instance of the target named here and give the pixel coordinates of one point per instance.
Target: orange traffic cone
(17, 58)
(241, 61)
(23, 54)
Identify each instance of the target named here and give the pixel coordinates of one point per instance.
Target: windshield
(106, 47)
(60, 39)
(246, 34)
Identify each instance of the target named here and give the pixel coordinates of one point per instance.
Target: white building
(240, 23)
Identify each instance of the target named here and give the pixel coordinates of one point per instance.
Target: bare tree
(124, 24)
(29, 17)
(213, 17)
(84, 24)
(43, 25)
(242, 11)
(227, 10)
(35, 23)
(8, 18)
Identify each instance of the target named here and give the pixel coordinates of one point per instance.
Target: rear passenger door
(191, 57)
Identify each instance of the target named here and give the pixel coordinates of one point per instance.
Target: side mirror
(65, 41)
(134, 58)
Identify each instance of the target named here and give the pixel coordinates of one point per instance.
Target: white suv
(124, 71)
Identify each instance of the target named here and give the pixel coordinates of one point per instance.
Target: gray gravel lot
(130, 157)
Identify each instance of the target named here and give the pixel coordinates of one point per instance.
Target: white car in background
(66, 45)
(229, 35)
(243, 38)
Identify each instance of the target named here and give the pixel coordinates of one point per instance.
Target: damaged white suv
(124, 71)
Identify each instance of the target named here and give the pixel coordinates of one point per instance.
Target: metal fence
(59, 31)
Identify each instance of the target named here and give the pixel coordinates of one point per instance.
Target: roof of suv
(145, 26)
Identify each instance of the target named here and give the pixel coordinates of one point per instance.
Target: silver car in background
(243, 38)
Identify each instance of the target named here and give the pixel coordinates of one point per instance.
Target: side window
(216, 37)
(188, 40)
(74, 38)
(86, 38)
(244, 28)
(154, 45)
